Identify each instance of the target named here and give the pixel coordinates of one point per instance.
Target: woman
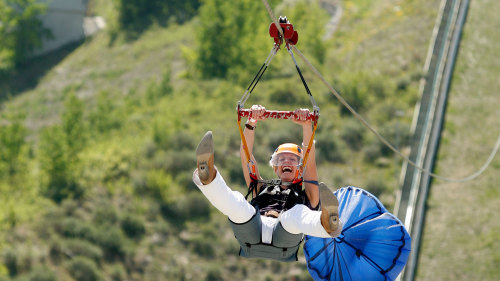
(273, 226)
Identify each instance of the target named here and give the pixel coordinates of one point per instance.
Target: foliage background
(97, 148)
(21, 31)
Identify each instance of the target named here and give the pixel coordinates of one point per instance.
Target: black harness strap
(296, 195)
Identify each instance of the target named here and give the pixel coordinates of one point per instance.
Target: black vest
(272, 196)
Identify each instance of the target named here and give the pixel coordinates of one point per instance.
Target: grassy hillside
(140, 107)
(462, 231)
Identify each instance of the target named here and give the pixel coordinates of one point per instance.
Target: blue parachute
(374, 244)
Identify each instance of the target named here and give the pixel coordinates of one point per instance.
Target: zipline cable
(273, 18)
(373, 130)
(389, 145)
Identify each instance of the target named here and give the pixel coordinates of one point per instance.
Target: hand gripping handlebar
(313, 116)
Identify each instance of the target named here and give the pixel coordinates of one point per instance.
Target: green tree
(59, 148)
(105, 116)
(135, 16)
(73, 125)
(232, 37)
(12, 140)
(309, 19)
(21, 31)
(56, 165)
(215, 39)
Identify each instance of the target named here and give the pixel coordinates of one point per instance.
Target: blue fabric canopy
(374, 244)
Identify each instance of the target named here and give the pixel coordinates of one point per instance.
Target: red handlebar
(277, 114)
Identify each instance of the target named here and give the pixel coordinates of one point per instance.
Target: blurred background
(102, 104)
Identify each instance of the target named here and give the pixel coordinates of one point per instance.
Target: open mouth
(286, 169)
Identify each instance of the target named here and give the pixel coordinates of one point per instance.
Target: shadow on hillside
(27, 76)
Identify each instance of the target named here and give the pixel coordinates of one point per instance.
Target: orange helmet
(285, 148)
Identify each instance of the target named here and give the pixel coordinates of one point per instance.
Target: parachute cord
(391, 147)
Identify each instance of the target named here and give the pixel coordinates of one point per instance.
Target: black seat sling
(284, 245)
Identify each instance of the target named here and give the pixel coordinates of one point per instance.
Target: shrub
(281, 135)
(83, 269)
(165, 87)
(202, 246)
(176, 161)
(133, 226)
(139, 182)
(78, 247)
(214, 274)
(355, 97)
(42, 273)
(155, 184)
(105, 214)
(56, 251)
(11, 143)
(59, 189)
(111, 240)
(328, 149)
(162, 227)
(75, 228)
(117, 272)
(397, 134)
(73, 126)
(358, 88)
(149, 147)
(155, 91)
(10, 260)
(376, 186)
(17, 260)
(176, 273)
(69, 207)
(285, 94)
(371, 152)
(235, 173)
(61, 183)
(104, 118)
(181, 140)
(160, 136)
(185, 179)
(403, 83)
(194, 206)
(59, 147)
(352, 134)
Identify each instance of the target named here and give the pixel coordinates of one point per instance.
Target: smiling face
(287, 164)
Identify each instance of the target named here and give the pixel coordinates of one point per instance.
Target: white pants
(299, 219)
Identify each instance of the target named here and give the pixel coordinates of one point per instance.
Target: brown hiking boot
(205, 159)
(329, 210)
